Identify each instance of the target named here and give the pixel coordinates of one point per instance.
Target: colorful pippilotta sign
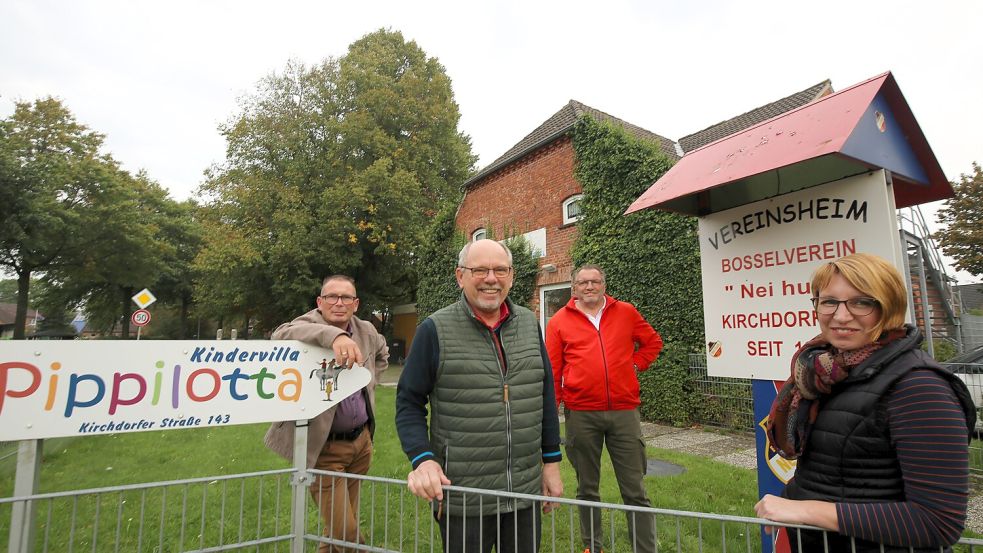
(50, 389)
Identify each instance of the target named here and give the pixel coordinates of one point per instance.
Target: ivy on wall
(651, 258)
(525, 267)
(438, 260)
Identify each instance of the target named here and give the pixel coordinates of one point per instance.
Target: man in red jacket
(597, 345)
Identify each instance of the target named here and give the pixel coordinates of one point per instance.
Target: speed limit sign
(140, 317)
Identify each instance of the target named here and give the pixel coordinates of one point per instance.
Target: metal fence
(252, 512)
(726, 403)
(723, 402)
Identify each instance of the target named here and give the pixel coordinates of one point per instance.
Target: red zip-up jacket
(594, 370)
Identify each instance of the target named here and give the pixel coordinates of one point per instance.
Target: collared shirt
(503, 313)
(351, 412)
(596, 318)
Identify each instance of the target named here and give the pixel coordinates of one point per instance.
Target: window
(551, 298)
(479, 234)
(537, 241)
(571, 209)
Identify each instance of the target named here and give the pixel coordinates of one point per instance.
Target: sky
(159, 78)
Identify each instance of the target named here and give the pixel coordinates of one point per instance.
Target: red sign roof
(863, 128)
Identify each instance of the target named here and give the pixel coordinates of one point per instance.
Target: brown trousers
(337, 498)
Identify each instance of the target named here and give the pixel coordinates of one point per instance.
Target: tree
(175, 283)
(525, 269)
(962, 237)
(335, 168)
(124, 251)
(51, 173)
(438, 259)
(8, 292)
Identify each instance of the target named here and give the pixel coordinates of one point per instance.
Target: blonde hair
(874, 277)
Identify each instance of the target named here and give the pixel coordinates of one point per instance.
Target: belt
(346, 436)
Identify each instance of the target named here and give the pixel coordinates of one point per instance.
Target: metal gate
(255, 512)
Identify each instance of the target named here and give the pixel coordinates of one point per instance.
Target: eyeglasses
(332, 299)
(482, 272)
(594, 283)
(856, 306)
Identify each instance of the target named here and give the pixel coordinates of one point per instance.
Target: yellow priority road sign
(144, 298)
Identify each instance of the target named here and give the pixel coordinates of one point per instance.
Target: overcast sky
(159, 77)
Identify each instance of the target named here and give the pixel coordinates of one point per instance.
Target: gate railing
(252, 512)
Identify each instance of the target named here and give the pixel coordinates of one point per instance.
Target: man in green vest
(481, 365)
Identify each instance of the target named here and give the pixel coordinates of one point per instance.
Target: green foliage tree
(52, 178)
(438, 259)
(174, 287)
(125, 251)
(335, 168)
(962, 235)
(525, 267)
(8, 291)
(651, 258)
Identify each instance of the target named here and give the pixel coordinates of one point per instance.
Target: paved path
(733, 449)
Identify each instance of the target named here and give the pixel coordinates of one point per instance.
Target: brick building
(531, 189)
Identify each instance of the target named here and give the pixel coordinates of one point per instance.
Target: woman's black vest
(850, 456)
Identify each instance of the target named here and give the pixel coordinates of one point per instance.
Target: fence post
(26, 482)
(300, 482)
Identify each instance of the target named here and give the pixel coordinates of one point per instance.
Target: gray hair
(586, 267)
(463, 256)
(329, 278)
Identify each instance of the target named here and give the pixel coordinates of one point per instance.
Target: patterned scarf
(816, 367)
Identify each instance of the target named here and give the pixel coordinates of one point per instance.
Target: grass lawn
(218, 511)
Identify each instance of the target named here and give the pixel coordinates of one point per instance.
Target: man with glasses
(339, 439)
(481, 365)
(597, 345)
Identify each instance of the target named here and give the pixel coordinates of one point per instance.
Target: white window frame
(566, 204)
(542, 301)
(537, 241)
(483, 232)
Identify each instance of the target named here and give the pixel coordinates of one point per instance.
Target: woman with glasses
(878, 428)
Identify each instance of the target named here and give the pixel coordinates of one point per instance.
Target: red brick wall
(524, 196)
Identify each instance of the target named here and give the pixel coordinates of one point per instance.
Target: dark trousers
(621, 431)
(512, 532)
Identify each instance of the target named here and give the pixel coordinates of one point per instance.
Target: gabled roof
(862, 128)
(8, 313)
(755, 116)
(972, 295)
(559, 124)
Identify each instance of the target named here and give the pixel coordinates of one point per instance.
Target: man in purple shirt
(340, 439)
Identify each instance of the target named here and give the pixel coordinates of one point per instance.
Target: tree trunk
(125, 320)
(183, 326)
(20, 318)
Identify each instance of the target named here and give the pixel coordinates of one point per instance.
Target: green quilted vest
(486, 428)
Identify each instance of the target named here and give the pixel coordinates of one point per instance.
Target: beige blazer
(312, 328)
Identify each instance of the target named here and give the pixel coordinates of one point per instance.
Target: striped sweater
(928, 430)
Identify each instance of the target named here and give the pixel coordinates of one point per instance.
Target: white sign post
(757, 260)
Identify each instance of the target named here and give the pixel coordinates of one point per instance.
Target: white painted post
(301, 481)
(26, 482)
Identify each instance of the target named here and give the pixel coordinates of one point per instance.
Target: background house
(531, 189)
(8, 311)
